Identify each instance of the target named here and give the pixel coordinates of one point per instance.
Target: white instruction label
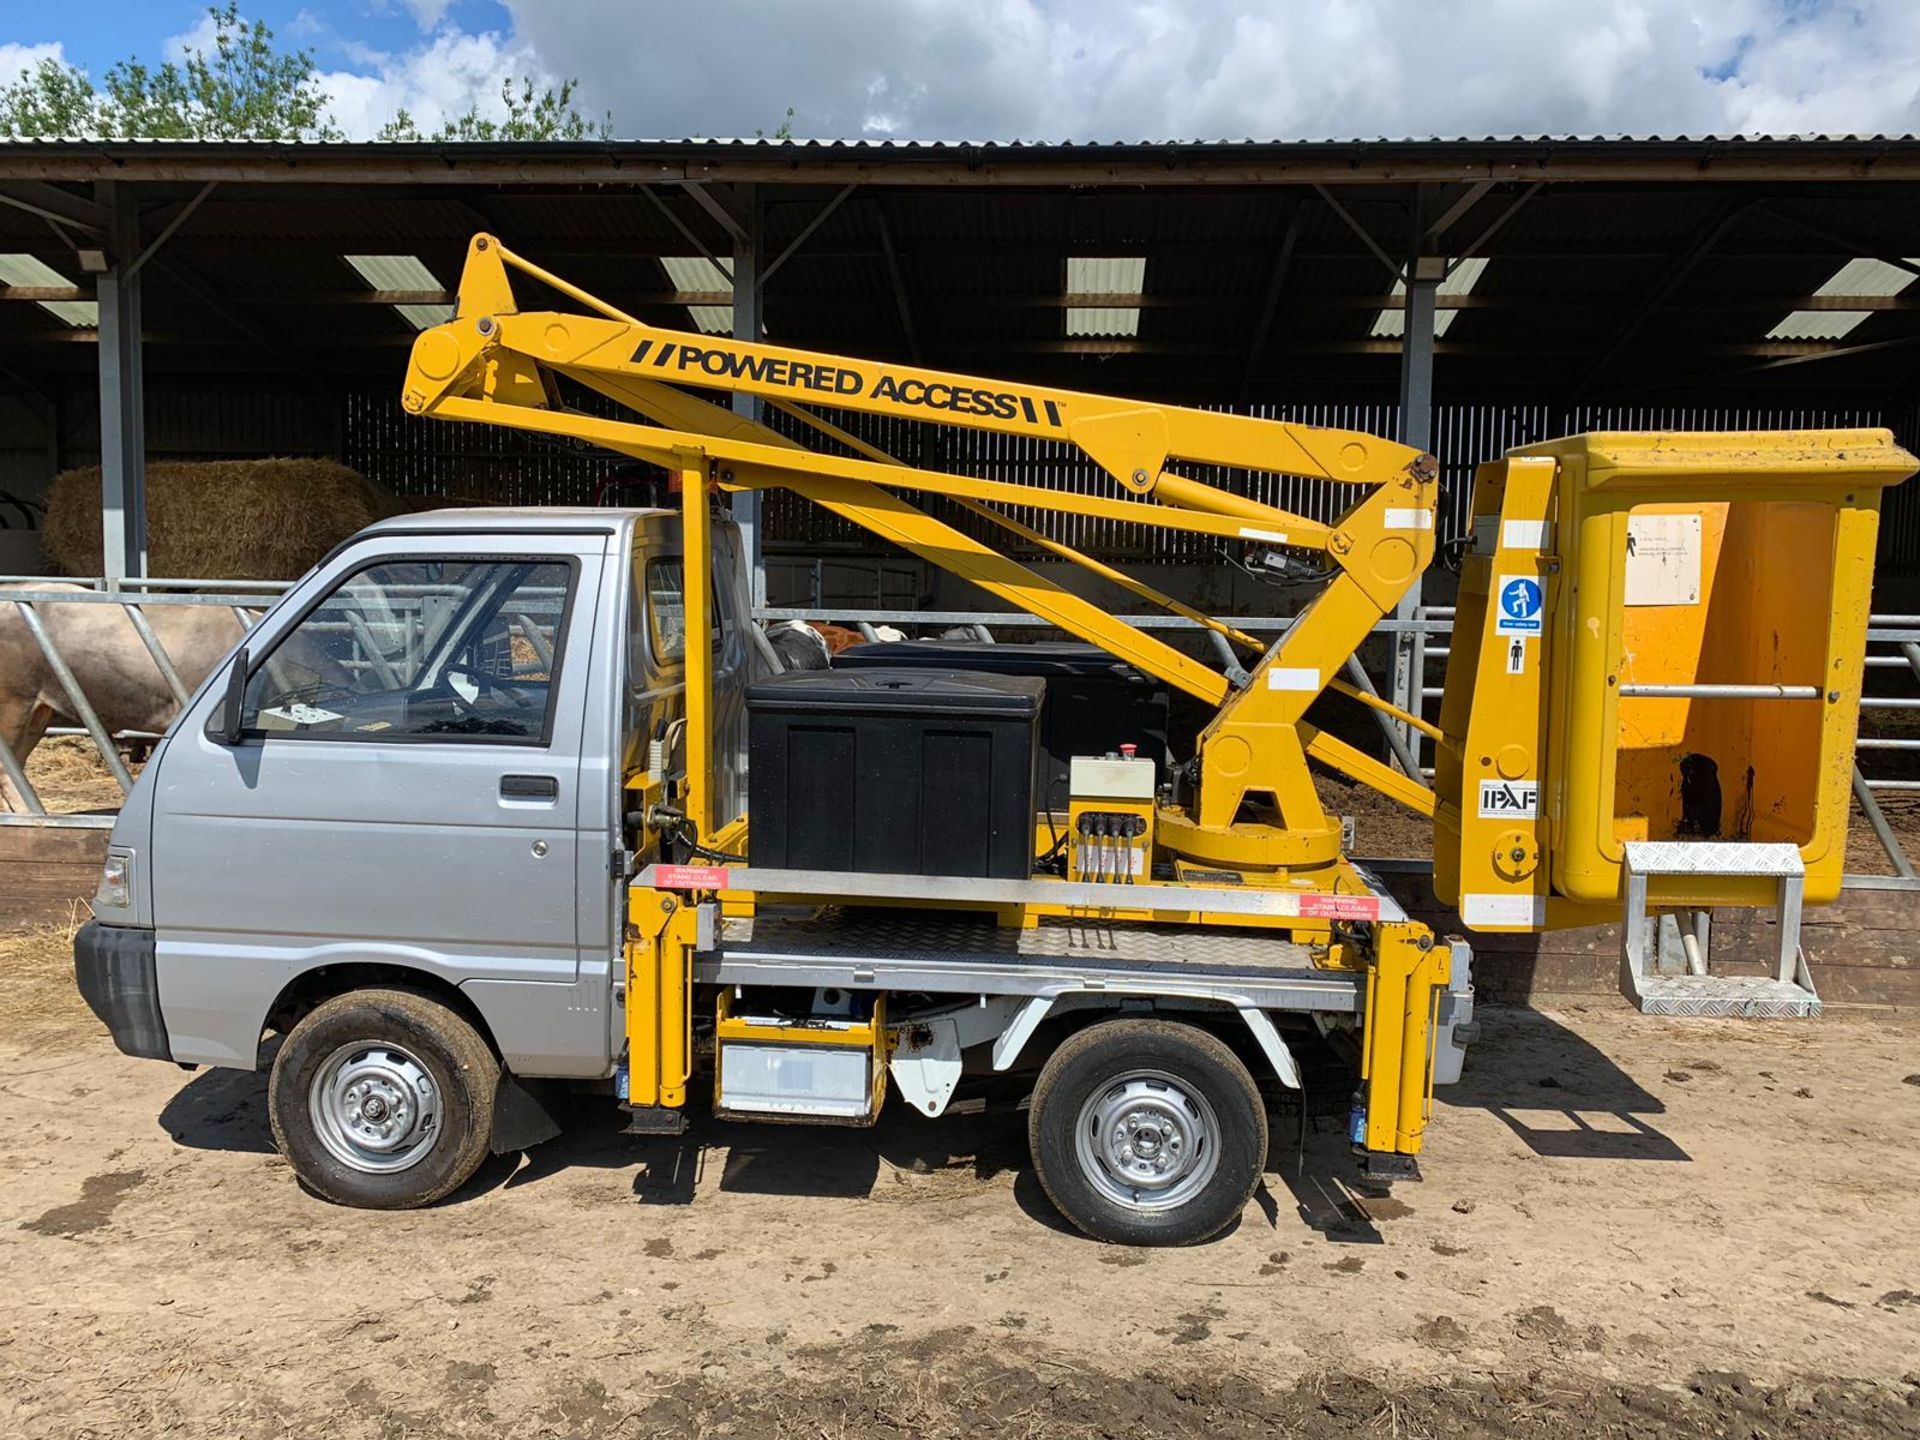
(1517, 655)
(1509, 799)
(1283, 677)
(1524, 535)
(1663, 560)
(1528, 911)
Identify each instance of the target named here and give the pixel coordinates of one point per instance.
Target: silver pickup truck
(393, 832)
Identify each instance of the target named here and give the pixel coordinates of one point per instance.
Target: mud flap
(521, 1114)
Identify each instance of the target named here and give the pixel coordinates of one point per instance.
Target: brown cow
(115, 672)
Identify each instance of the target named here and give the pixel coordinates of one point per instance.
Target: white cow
(115, 672)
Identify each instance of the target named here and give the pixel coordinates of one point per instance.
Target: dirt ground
(1628, 1227)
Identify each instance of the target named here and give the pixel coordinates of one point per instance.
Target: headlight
(116, 882)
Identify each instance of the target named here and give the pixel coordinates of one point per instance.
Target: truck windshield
(437, 649)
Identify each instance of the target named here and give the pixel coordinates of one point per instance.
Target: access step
(1788, 994)
(1755, 997)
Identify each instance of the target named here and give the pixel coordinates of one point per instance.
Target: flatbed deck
(958, 953)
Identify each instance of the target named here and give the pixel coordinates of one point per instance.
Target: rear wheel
(1147, 1132)
(383, 1099)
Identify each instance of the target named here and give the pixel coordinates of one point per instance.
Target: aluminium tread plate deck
(959, 953)
(1751, 997)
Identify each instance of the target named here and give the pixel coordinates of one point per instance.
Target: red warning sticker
(1340, 907)
(691, 877)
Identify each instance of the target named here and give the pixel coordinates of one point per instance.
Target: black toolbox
(894, 771)
(1095, 703)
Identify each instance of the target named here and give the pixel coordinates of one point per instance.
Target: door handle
(529, 787)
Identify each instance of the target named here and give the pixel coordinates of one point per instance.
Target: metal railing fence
(1893, 650)
(381, 644)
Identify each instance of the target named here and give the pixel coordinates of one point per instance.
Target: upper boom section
(1131, 440)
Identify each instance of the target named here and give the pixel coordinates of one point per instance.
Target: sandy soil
(1628, 1227)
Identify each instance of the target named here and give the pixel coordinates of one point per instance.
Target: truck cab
(409, 780)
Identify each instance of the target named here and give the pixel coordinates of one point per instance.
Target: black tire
(1109, 1071)
(424, 1071)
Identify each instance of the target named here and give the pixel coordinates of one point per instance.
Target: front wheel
(383, 1099)
(1147, 1132)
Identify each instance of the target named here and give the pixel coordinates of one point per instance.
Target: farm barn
(1466, 296)
(202, 350)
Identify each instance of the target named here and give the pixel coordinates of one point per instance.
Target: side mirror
(233, 706)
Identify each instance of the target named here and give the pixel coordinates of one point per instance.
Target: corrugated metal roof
(953, 144)
(982, 267)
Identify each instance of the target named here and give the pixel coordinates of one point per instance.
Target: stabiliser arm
(1254, 806)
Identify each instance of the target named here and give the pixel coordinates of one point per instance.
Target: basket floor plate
(1751, 997)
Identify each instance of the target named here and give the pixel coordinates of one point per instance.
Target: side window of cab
(429, 649)
(665, 589)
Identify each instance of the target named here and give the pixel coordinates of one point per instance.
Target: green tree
(246, 88)
(532, 114)
(50, 100)
(785, 132)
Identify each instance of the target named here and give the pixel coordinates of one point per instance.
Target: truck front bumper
(115, 970)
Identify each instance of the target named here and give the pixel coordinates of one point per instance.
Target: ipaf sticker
(1509, 799)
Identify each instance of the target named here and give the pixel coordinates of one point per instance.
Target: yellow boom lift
(1650, 699)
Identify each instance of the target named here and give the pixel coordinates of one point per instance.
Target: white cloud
(1161, 69)
(16, 60)
(428, 14)
(450, 74)
(199, 36)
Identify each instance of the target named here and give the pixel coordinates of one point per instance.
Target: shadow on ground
(1563, 1097)
(1558, 1093)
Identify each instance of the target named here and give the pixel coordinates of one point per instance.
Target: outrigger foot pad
(655, 1120)
(1382, 1167)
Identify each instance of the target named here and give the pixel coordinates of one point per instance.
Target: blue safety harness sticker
(1519, 601)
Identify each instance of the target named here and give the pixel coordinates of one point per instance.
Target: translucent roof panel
(402, 272)
(31, 270)
(698, 273)
(1102, 322)
(1864, 276)
(1104, 277)
(1391, 322)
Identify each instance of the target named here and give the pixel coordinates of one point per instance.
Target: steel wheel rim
(1147, 1142)
(375, 1106)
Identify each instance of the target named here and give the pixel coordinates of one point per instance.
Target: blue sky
(335, 30)
(1078, 69)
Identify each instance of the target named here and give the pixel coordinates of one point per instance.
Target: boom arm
(1255, 808)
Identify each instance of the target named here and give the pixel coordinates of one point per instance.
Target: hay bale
(222, 519)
